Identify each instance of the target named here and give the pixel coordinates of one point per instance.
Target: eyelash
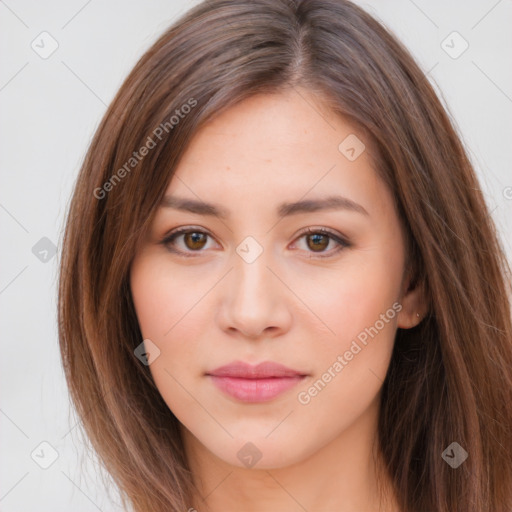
(342, 243)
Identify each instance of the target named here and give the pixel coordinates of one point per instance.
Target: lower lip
(255, 390)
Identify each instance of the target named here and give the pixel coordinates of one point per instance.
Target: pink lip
(259, 383)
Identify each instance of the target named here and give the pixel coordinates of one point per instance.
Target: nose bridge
(253, 281)
(253, 300)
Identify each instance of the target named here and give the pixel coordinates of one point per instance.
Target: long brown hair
(450, 377)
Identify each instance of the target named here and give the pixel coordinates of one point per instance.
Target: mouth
(253, 384)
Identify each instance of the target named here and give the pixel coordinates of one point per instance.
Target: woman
(281, 288)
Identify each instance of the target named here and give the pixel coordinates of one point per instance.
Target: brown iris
(319, 241)
(194, 240)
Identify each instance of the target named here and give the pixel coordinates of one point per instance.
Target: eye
(188, 240)
(192, 240)
(317, 240)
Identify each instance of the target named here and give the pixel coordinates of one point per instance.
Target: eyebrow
(285, 209)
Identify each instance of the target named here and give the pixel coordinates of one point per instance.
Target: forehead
(275, 148)
(289, 125)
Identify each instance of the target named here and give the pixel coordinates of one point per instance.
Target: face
(275, 308)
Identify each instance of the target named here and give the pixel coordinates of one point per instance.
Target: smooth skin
(300, 303)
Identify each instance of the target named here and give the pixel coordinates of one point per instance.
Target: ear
(414, 304)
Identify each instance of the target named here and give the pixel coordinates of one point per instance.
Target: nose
(254, 301)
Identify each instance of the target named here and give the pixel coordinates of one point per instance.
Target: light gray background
(50, 109)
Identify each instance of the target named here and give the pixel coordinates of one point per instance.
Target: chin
(260, 453)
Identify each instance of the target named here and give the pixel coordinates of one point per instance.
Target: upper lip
(267, 369)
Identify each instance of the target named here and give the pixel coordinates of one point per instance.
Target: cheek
(170, 313)
(350, 365)
(360, 308)
(365, 287)
(173, 310)
(162, 297)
